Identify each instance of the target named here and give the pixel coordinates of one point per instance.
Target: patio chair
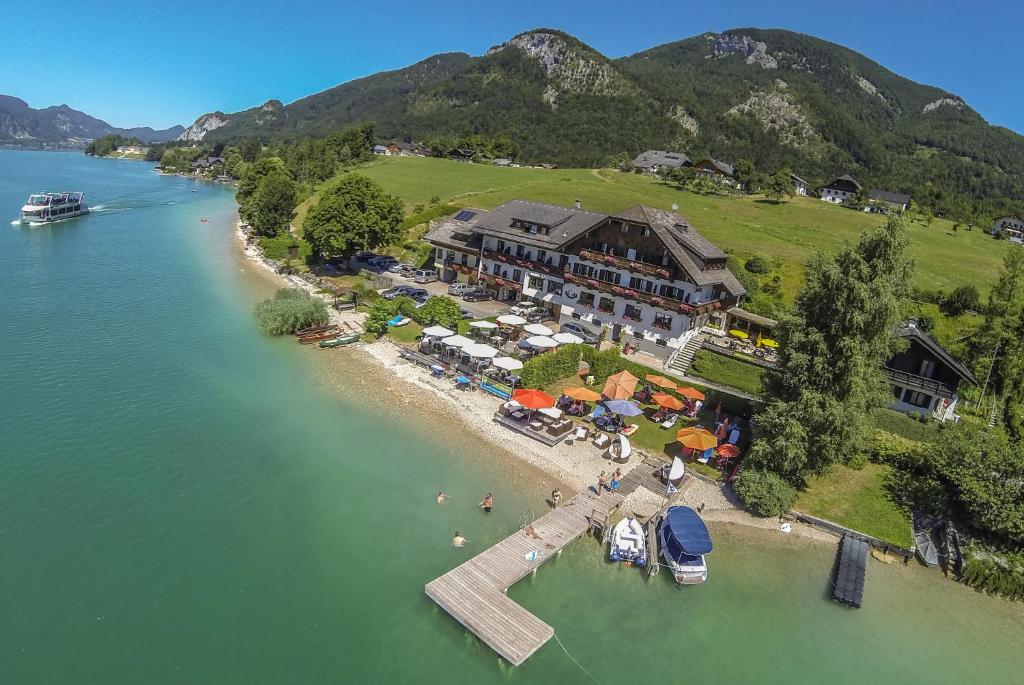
(582, 432)
(602, 440)
(598, 412)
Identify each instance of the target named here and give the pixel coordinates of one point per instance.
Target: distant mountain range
(775, 97)
(62, 126)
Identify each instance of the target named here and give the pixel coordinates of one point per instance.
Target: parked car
(421, 300)
(538, 315)
(466, 314)
(364, 256)
(382, 263)
(407, 271)
(458, 289)
(523, 309)
(407, 290)
(479, 295)
(397, 267)
(589, 335)
(425, 275)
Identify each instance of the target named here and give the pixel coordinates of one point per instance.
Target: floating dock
(850, 567)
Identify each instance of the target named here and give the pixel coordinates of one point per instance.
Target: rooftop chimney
(577, 203)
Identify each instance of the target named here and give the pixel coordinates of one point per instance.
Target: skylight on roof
(465, 215)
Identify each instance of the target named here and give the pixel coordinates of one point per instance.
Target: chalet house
(652, 161)
(206, 163)
(883, 200)
(502, 161)
(405, 148)
(841, 189)
(380, 149)
(801, 186)
(131, 149)
(461, 154)
(925, 377)
(1012, 227)
(643, 272)
(717, 170)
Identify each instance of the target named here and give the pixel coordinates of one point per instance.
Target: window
(555, 287)
(663, 321)
(496, 269)
(517, 275)
(501, 245)
(542, 255)
(606, 305)
(439, 251)
(536, 282)
(918, 399)
(927, 368)
(632, 313)
(586, 298)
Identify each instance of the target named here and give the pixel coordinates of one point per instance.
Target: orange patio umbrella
(666, 401)
(692, 393)
(582, 394)
(660, 381)
(696, 439)
(533, 399)
(728, 451)
(620, 386)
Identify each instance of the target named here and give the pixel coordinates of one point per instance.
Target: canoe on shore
(317, 337)
(340, 340)
(313, 330)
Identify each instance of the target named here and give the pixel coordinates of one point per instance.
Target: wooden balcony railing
(524, 262)
(628, 264)
(918, 382)
(640, 296)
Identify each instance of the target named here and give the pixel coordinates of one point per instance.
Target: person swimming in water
(442, 497)
(487, 503)
(458, 540)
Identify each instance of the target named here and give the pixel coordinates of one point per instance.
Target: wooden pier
(474, 593)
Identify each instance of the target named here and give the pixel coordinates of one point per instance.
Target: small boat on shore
(684, 541)
(924, 542)
(340, 340)
(317, 337)
(312, 330)
(628, 542)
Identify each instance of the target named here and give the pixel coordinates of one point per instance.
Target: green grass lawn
(728, 371)
(406, 334)
(858, 500)
(745, 225)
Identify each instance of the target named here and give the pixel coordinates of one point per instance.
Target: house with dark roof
(717, 170)
(405, 148)
(380, 149)
(840, 189)
(206, 163)
(644, 272)
(1009, 227)
(884, 201)
(651, 161)
(800, 185)
(925, 377)
(461, 154)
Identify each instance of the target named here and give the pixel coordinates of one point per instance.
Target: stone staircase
(680, 363)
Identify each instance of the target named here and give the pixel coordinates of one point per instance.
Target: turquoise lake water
(185, 501)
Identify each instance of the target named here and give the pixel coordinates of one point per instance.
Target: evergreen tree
(831, 351)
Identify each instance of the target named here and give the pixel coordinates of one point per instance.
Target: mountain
(777, 98)
(62, 126)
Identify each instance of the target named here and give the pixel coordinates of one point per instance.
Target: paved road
(481, 310)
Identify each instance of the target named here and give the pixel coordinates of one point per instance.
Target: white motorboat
(684, 541)
(628, 542)
(43, 208)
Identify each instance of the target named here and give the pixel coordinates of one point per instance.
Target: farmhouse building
(1010, 227)
(405, 148)
(643, 272)
(883, 200)
(717, 170)
(925, 377)
(841, 189)
(652, 161)
(800, 186)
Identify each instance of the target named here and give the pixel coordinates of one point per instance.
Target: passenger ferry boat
(46, 207)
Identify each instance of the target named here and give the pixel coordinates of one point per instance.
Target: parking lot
(480, 310)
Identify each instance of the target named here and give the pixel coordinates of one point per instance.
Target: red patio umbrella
(533, 399)
(728, 451)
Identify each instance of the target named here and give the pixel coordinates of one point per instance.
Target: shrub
(441, 310)
(888, 448)
(544, 369)
(759, 264)
(965, 298)
(764, 493)
(858, 461)
(290, 309)
(994, 573)
(377, 319)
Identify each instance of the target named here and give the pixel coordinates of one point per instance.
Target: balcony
(500, 282)
(627, 264)
(640, 296)
(523, 262)
(909, 380)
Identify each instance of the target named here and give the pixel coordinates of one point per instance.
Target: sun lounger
(630, 429)
(671, 421)
(602, 440)
(582, 432)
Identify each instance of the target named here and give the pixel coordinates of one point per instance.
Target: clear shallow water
(181, 502)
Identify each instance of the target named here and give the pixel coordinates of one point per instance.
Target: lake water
(184, 501)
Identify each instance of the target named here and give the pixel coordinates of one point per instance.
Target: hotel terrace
(642, 272)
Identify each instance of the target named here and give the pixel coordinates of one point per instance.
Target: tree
(251, 149)
(354, 214)
(744, 172)
(272, 206)
(778, 185)
(831, 349)
(250, 180)
(964, 298)
(764, 492)
(441, 310)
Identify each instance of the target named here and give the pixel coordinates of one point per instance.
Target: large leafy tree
(354, 214)
(778, 185)
(250, 180)
(272, 206)
(441, 310)
(832, 347)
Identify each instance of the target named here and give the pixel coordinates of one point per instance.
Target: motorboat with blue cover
(684, 541)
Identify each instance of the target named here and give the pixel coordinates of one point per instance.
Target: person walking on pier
(600, 483)
(616, 476)
(487, 503)
(556, 497)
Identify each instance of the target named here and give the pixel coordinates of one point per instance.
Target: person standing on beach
(600, 484)
(556, 497)
(615, 481)
(487, 503)
(458, 540)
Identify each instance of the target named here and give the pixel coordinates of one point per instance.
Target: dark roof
(912, 332)
(798, 179)
(456, 231)
(686, 532)
(651, 158)
(566, 223)
(887, 196)
(207, 161)
(405, 145)
(723, 167)
(845, 178)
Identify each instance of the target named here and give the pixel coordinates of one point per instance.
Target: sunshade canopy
(480, 351)
(511, 320)
(660, 381)
(459, 341)
(541, 341)
(553, 412)
(625, 449)
(582, 394)
(696, 439)
(483, 324)
(624, 408)
(692, 393)
(736, 333)
(507, 363)
(437, 332)
(567, 339)
(621, 385)
(537, 329)
(768, 342)
(666, 401)
(533, 399)
(685, 533)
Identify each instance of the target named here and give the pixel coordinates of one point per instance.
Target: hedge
(764, 492)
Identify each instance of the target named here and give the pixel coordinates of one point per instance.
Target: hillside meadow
(743, 225)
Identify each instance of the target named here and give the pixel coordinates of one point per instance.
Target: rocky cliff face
(203, 125)
(752, 51)
(778, 112)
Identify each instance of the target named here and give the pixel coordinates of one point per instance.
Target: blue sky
(164, 63)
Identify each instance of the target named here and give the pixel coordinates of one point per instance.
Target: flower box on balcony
(593, 283)
(663, 273)
(656, 300)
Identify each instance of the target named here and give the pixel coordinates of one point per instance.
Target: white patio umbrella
(479, 351)
(541, 341)
(507, 363)
(486, 325)
(553, 412)
(567, 339)
(437, 332)
(537, 329)
(511, 320)
(459, 341)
